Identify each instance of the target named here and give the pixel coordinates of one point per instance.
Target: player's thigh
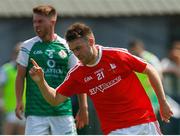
(151, 128)
(63, 125)
(36, 125)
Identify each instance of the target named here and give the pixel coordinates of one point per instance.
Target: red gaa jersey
(114, 88)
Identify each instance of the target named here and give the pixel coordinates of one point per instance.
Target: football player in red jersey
(108, 76)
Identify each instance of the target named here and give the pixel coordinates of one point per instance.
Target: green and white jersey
(55, 59)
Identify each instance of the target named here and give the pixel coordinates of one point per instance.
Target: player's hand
(19, 110)
(165, 111)
(82, 118)
(36, 72)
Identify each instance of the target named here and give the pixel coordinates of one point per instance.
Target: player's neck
(50, 37)
(95, 56)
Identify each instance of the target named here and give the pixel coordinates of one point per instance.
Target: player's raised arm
(48, 92)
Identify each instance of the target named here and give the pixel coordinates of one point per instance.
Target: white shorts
(11, 118)
(151, 128)
(51, 125)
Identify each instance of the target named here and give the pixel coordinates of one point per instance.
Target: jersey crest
(62, 54)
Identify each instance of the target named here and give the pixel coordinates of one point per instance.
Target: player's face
(42, 25)
(82, 50)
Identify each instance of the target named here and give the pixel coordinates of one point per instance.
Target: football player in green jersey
(53, 55)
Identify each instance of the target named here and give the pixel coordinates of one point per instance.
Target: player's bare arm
(82, 117)
(156, 83)
(48, 92)
(20, 78)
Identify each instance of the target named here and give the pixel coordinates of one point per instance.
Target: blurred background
(114, 22)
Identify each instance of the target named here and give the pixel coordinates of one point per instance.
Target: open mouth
(38, 30)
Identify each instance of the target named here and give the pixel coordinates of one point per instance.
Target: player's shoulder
(74, 71)
(60, 39)
(77, 68)
(30, 42)
(114, 51)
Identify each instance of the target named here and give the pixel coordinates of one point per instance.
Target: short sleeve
(68, 87)
(23, 56)
(131, 62)
(72, 61)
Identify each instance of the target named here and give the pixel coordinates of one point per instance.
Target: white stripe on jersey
(26, 46)
(71, 71)
(115, 49)
(122, 50)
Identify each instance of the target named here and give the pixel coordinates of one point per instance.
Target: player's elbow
(54, 103)
(58, 99)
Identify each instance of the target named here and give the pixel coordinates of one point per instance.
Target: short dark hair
(45, 10)
(77, 30)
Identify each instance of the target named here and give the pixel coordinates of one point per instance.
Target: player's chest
(50, 55)
(99, 74)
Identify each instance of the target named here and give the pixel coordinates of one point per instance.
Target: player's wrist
(19, 100)
(83, 108)
(40, 83)
(162, 102)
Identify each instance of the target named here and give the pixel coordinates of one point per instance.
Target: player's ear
(91, 41)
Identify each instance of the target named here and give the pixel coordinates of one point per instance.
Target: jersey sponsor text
(104, 86)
